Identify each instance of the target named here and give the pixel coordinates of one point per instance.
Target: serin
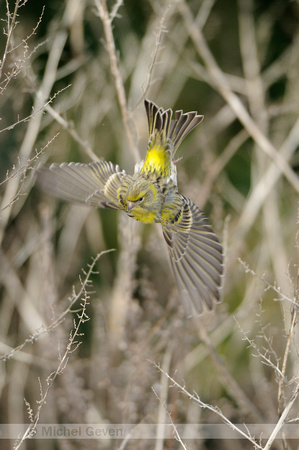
(151, 195)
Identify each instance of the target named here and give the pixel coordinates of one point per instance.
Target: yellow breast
(141, 216)
(157, 160)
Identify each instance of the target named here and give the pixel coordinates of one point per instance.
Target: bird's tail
(163, 130)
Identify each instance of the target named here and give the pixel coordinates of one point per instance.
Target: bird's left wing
(196, 258)
(101, 184)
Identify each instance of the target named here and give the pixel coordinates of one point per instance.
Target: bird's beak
(130, 206)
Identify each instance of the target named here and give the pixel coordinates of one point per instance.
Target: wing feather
(196, 258)
(98, 184)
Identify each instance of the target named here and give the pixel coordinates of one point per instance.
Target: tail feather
(182, 125)
(158, 120)
(164, 129)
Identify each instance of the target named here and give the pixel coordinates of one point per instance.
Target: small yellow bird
(151, 195)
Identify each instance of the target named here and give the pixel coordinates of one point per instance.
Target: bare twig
(282, 418)
(71, 347)
(234, 102)
(21, 170)
(73, 300)
(161, 30)
(159, 444)
(106, 19)
(269, 285)
(69, 127)
(264, 356)
(194, 397)
(19, 63)
(230, 382)
(114, 11)
(41, 98)
(285, 359)
(160, 434)
(34, 112)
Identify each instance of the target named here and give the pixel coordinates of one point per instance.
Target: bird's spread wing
(196, 258)
(100, 184)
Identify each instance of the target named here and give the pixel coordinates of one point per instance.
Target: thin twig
(285, 359)
(71, 347)
(194, 397)
(40, 100)
(234, 101)
(11, 21)
(160, 433)
(43, 329)
(161, 30)
(282, 419)
(71, 130)
(120, 90)
(230, 382)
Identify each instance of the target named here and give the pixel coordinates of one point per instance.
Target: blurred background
(73, 76)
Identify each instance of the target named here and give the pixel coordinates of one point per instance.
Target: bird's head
(143, 200)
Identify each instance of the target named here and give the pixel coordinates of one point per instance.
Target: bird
(151, 195)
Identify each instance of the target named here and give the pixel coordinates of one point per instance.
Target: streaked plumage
(151, 195)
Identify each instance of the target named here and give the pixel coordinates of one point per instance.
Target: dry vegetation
(110, 343)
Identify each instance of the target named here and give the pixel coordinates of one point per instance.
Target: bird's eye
(140, 199)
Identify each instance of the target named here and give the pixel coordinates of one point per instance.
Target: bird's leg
(175, 161)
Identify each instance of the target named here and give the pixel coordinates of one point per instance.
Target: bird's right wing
(101, 184)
